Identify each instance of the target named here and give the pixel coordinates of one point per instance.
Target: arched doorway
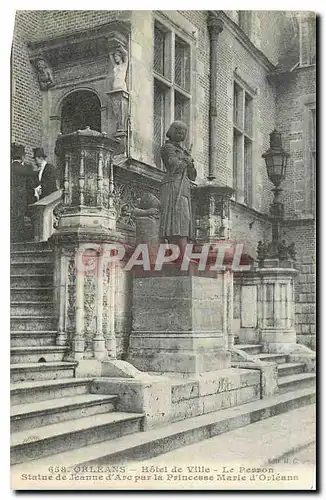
(80, 109)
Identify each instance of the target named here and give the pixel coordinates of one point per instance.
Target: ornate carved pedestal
(212, 212)
(84, 284)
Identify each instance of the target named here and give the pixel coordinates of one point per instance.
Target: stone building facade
(266, 79)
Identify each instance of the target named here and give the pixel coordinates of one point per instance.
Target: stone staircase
(51, 411)
(291, 376)
(67, 420)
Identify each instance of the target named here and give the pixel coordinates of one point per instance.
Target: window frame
(168, 81)
(242, 174)
(311, 25)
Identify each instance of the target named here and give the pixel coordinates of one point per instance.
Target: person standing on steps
(47, 181)
(22, 183)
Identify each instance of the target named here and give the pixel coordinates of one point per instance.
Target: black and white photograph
(163, 178)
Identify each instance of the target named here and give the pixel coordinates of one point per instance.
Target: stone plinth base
(176, 361)
(277, 339)
(165, 399)
(276, 308)
(178, 324)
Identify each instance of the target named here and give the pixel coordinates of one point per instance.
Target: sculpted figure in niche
(119, 59)
(44, 74)
(176, 215)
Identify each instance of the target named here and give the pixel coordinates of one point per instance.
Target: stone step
(32, 323)
(33, 338)
(250, 348)
(31, 256)
(19, 372)
(290, 369)
(43, 267)
(29, 246)
(37, 354)
(31, 293)
(31, 307)
(275, 358)
(296, 381)
(173, 436)
(41, 390)
(32, 415)
(39, 279)
(43, 441)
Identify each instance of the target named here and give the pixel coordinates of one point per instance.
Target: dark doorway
(80, 109)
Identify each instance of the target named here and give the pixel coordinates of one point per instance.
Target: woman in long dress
(176, 216)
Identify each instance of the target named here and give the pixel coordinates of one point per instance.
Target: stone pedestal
(276, 308)
(179, 324)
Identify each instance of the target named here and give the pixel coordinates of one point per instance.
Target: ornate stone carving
(279, 251)
(147, 215)
(44, 74)
(71, 317)
(212, 212)
(120, 102)
(57, 212)
(126, 197)
(215, 25)
(89, 309)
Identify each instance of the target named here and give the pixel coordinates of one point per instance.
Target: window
(159, 50)
(172, 85)
(242, 144)
(307, 38)
(245, 21)
(159, 120)
(182, 64)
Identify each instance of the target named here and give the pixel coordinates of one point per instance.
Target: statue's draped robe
(176, 216)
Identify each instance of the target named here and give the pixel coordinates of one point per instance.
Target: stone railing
(43, 217)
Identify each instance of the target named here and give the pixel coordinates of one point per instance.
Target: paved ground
(291, 435)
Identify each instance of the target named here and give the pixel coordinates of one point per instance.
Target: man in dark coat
(22, 183)
(46, 174)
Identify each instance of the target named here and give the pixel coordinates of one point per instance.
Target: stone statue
(176, 216)
(44, 74)
(119, 59)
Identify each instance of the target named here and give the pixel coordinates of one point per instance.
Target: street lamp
(276, 162)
